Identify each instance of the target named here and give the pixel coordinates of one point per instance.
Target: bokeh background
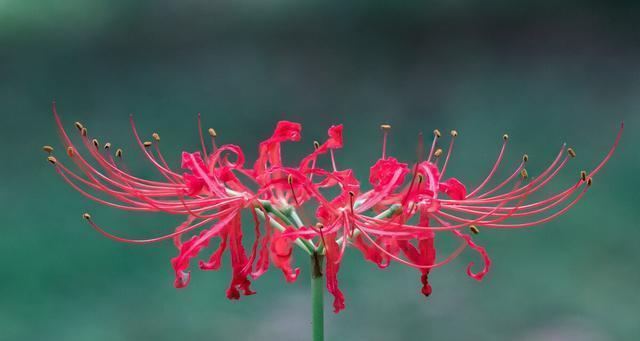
(545, 72)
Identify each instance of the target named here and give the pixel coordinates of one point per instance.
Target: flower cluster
(396, 219)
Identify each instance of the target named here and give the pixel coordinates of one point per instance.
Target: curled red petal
(454, 189)
(384, 171)
(481, 250)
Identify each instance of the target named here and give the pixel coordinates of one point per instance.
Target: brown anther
(436, 133)
(420, 178)
(70, 151)
(156, 137)
(351, 196)
(79, 126)
(47, 149)
(107, 145)
(95, 143)
(524, 174)
(505, 137)
(474, 229)
(316, 145)
(119, 152)
(589, 181)
(83, 131)
(147, 144)
(319, 226)
(454, 133)
(571, 152)
(385, 127)
(212, 132)
(52, 159)
(525, 157)
(583, 175)
(86, 216)
(438, 152)
(290, 179)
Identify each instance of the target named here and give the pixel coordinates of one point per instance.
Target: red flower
(398, 219)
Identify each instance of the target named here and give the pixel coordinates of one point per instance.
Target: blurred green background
(545, 72)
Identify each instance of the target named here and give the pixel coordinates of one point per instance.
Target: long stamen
(525, 158)
(204, 149)
(420, 148)
(230, 215)
(454, 134)
(213, 134)
(385, 133)
(293, 191)
(333, 160)
(436, 135)
(505, 138)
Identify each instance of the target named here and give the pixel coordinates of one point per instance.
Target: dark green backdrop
(544, 73)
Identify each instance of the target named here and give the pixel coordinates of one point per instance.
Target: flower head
(398, 219)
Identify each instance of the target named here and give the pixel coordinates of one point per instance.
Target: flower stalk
(317, 297)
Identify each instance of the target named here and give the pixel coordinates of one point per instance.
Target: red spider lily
(396, 220)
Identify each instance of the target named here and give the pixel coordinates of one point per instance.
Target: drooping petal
(332, 253)
(192, 247)
(215, 260)
(281, 253)
(239, 267)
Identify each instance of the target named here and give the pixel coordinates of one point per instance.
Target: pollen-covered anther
(385, 127)
(156, 137)
(47, 149)
(212, 132)
(95, 143)
(437, 133)
(454, 133)
(505, 137)
(290, 179)
(571, 152)
(524, 174)
(107, 145)
(119, 152)
(420, 178)
(525, 158)
(79, 126)
(316, 145)
(86, 216)
(147, 144)
(70, 151)
(319, 226)
(474, 229)
(438, 152)
(589, 181)
(583, 175)
(52, 159)
(83, 131)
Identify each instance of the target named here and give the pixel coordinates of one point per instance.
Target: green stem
(309, 247)
(317, 292)
(277, 225)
